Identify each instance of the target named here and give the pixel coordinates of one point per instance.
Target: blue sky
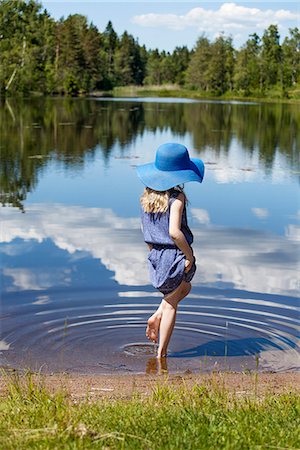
(167, 24)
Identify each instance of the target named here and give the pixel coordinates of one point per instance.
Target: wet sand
(114, 387)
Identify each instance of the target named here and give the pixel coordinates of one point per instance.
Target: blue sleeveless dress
(166, 261)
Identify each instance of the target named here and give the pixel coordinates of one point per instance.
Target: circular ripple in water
(212, 327)
(140, 349)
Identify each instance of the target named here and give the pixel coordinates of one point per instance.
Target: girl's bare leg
(153, 324)
(168, 316)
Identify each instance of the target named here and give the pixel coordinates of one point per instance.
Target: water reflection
(247, 259)
(71, 130)
(79, 289)
(156, 366)
(75, 281)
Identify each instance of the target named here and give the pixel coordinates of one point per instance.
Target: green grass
(170, 418)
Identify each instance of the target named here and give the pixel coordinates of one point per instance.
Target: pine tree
(220, 71)
(291, 57)
(197, 74)
(247, 73)
(153, 68)
(110, 41)
(180, 59)
(25, 46)
(271, 57)
(129, 65)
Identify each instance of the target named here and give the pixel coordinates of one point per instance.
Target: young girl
(166, 232)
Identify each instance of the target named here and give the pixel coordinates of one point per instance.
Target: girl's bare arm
(175, 232)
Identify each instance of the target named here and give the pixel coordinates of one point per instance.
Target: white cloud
(230, 17)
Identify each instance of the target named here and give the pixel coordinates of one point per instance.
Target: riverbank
(175, 91)
(217, 410)
(79, 387)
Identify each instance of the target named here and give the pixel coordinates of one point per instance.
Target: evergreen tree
(197, 74)
(247, 71)
(95, 70)
(71, 56)
(220, 70)
(167, 68)
(180, 58)
(153, 68)
(271, 57)
(110, 40)
(72, 62)
(291, 57)
(128, 62)
(25, 46)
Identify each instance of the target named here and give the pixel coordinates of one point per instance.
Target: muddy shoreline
(113, 387)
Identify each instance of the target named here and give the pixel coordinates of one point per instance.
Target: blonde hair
(156, 201)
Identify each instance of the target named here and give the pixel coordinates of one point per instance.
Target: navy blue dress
(166, 261)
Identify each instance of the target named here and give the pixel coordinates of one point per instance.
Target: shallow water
(75, 288)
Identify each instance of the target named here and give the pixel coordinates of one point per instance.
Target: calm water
(75, 289)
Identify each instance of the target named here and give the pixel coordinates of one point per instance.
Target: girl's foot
(161, 356)
(153, 328)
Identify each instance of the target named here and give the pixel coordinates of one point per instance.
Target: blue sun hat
(172, 166)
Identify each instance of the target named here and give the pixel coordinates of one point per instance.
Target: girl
(166, 232)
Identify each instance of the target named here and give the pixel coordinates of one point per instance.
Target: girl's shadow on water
(234, 347)
(220, 348)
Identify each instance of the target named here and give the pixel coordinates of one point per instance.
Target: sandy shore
(114, 387)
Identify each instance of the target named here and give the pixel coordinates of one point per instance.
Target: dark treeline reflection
(32, 131)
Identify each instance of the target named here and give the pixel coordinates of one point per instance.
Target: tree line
(71, 56)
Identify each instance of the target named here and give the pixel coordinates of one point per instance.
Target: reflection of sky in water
(227, 204)
(81, 234)
(236, 191)
(246, 258)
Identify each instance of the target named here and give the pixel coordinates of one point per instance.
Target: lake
(75, 287)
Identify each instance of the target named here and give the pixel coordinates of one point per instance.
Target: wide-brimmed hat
(172, 166)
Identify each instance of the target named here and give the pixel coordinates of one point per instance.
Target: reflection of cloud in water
(245, 259)
(261, 213)
(41, 278)
(292, 232)
(4, 346)
(116, 241)
(42, 300)
(25, 279)
(201, 215)
(271, 360)
(231, 165)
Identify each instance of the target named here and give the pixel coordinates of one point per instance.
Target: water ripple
(62, 335)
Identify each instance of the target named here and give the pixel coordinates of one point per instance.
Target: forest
(39, 55)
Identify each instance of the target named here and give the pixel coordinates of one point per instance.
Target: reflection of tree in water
(65, 129)
(211, 126)
(266, 128)
(68, 130)
(271, 129)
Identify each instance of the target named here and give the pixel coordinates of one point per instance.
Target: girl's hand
(188, 264)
